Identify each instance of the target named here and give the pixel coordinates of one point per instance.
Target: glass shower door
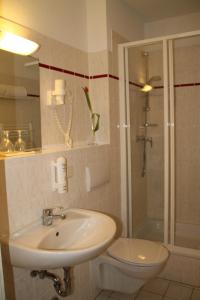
(162, 165)
(186, 65)
(146, 110)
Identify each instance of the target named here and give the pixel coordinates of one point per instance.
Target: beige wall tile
(143, 295)
(98, 63)
(182, 269)
(196, 294)
(157, 286)
(30, 192)
(177, 291)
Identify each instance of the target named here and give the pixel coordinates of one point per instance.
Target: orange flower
(86, 90)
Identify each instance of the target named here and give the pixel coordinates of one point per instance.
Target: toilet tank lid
(138, 252)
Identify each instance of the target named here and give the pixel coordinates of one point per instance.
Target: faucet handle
(47, 212)
(47, 217)
(57, 210)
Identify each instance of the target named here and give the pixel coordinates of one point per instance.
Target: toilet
(128, 264)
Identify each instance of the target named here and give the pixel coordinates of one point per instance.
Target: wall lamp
(16, 44)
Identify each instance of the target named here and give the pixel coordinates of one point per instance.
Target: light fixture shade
(146, 88)
(16, 44)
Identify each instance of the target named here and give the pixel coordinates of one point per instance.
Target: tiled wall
(28, 182)
(187, 145)
(183, 269)
(31, 192)
(62, 57)
(187, 77)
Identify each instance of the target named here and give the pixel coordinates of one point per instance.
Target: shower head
(147, 87)
(154, 78)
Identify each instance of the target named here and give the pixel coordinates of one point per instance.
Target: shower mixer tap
(150, 141)
(145, 139)
(150, 124)
(146, 108)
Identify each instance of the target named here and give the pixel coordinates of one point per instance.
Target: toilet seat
(138, 252)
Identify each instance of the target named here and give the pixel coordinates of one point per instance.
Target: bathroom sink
(83, 235)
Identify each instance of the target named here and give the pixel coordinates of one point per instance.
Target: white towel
(7, 91)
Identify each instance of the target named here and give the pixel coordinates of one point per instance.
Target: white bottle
(59, 175)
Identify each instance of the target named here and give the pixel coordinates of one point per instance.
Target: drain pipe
(62, 287)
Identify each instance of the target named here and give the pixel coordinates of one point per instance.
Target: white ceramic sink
(83, 235)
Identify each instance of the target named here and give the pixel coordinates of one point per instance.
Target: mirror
(20, 124)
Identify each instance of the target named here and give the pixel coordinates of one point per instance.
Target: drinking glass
(20, 145)
(6, 144)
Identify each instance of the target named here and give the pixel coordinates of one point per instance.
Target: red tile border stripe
(56, 69)
(158, 87)
(69, 72)
(33, 95)
(180, 85)
(79, 75)
(135, 84)
(187, 84)
(44, 66)
(98, 76)
(53, 68)
(113, 76)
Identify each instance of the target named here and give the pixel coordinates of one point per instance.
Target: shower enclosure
(160, 140)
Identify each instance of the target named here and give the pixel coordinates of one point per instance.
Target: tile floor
(157, 289)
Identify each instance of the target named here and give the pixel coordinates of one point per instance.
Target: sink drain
(63, 287)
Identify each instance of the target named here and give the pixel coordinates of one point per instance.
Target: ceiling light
(16, 44)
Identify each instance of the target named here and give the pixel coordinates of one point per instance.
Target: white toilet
(128, 264)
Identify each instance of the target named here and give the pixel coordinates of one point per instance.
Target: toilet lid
(138, 252)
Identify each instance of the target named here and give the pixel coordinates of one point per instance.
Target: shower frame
(169, 139)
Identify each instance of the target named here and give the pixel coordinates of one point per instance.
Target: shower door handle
(123, 126)
(126, 126)
(170, 124)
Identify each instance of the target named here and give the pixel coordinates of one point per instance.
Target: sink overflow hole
(57, 233)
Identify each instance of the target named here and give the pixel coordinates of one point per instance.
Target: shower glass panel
(186, 63)
(146, 107)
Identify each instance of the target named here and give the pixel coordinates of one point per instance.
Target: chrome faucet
(48, 215)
